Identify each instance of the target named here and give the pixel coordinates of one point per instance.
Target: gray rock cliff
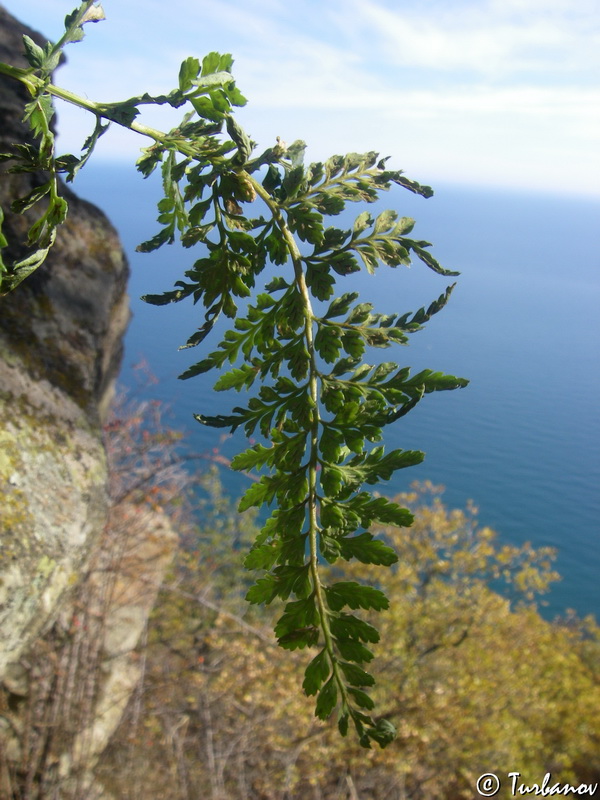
(60, 350)
(79, 575)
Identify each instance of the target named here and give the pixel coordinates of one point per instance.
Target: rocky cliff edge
(60, 350)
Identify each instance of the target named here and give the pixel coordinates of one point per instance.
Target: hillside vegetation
(474, 678)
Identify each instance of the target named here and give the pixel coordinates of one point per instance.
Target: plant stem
(309, 317)
(33, 83)
(24, 76)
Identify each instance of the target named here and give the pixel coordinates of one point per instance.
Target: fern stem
(313, 500)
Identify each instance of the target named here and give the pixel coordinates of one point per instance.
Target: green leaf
(230, 421)
(355, 595)
(299, 614)
(256, 456)
(319, 281)
(330, 444)
(295, 152)
(355, 675)
(353, 343)
(359, 314)
(239, 378)
(361, 699)
(213, 80)
(381, 467)
(33, 52)
(162, 237)
(293, 181)
(188, 72)
(77, 18)
(39, 113)
(366, 549)
(328, 342)
(3, 239)
(347, 626)
(333, 239)
(316, 673)
(263, 591)
(292, 579)
(272, 180)
(331, 480)
(235, 97)
(168, 297)
(344, 365)
(23, 203)
(361, 223)
(308, 224)
(340, 305)
(299, 639)
(255, 495)
(287, 525)
(344, 263)
(383, 733)
(428, 381)
(205, 108)
(343, 724)
(212, 63)
(276, 285)
(419, 249)
(329, 548)
(123, 113)
(23, 268)
(379, 509)
(326, 700)
(353, 650)
(385, 222)
(263, 557)
(240, 138)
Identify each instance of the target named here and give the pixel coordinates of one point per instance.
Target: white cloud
(498, 91)
(496, 38)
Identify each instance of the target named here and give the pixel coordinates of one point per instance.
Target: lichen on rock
(60, 350)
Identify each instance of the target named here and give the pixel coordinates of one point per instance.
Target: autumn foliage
(473, 677)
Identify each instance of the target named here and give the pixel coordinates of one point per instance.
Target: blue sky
(486, 92)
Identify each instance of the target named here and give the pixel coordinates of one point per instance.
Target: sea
(523, 325)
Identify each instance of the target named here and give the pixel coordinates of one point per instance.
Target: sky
(501, 93)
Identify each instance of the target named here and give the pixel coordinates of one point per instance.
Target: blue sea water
(523, 325)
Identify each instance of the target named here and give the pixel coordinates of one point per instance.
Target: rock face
(78, 577)
(65, 699)
(60, 349)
